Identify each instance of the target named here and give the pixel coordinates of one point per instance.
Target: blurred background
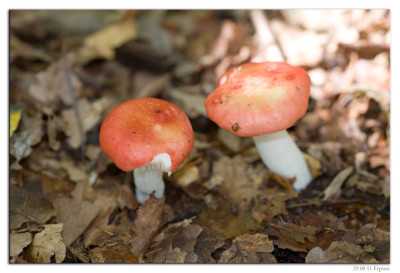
(68, 69)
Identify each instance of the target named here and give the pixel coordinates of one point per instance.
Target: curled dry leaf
(337, 182)
(47, 245)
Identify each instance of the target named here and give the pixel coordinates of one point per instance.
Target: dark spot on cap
(235, 127)
(298, 89)
(133, 132)
(158, 111)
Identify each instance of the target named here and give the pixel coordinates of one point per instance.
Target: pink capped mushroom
(148, 136)
(262, 100)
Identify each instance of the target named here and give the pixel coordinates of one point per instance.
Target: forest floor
(69, 203)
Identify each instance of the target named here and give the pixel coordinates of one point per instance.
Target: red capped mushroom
(262, 100)
(148, 136)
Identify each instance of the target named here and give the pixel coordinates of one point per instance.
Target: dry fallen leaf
(207, 242)
(368, 245)
(18, 241)
(113, 253)
(31, 204)
(15, 117)
(151, 216)
(175, 244)
(75, 213)
(337, 182)
(106, 203)
(102, 43)
(30, 133)
(47, 245)
(90, 115)
(246, 248)
(55, 84)
(292, 236)
(191, 104)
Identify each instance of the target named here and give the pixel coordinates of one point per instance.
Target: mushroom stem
(282, 157)
(149, 177)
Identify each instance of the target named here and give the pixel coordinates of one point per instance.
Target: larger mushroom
(148, 136)
(262, 100)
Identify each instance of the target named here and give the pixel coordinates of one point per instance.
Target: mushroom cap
(136, 131)
(259, 98)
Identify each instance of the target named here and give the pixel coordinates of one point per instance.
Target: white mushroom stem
(149, 177)
(282, 157)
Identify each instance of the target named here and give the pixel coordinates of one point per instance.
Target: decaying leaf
(228, 219)
(207, 242)
(274, 203)
(106, 203)
(236, 185)
(47, 245)
(292, 236)
(113, 253)
(151, 216)
(31, 204)
(246, 249)
(18, 241)
(75, 213)
(368, 245)
(175, 244)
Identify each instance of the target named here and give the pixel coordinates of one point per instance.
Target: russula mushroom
(262, 100)
(148, 136)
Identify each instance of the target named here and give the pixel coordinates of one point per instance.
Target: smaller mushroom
(148, 136)
(262, 100)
